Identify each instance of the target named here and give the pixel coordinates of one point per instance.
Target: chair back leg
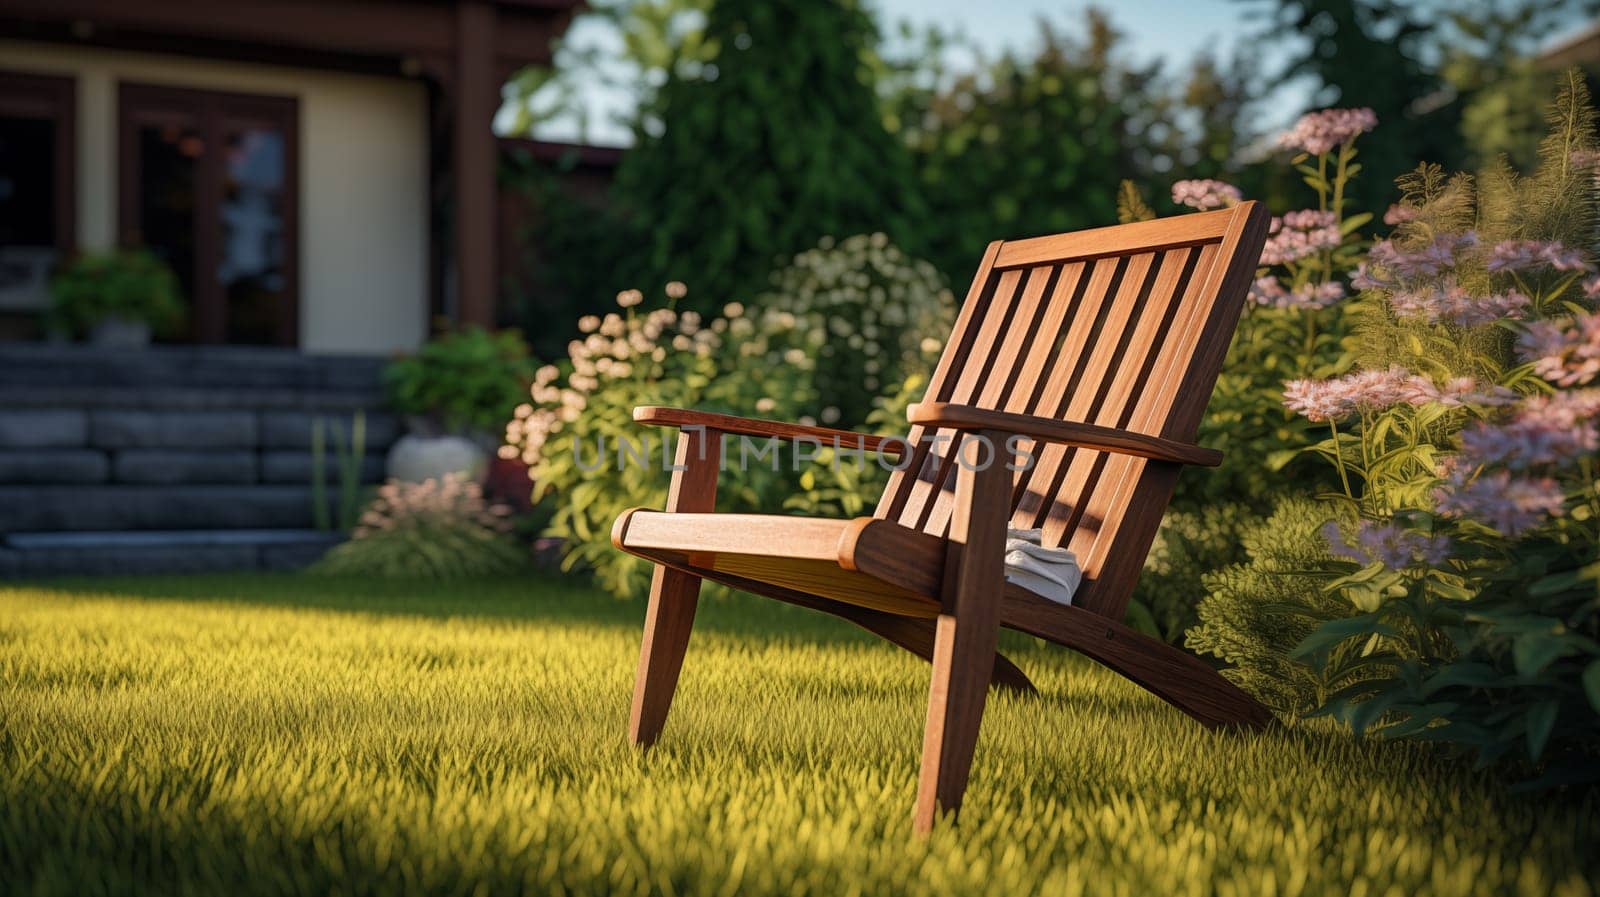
(673, 593)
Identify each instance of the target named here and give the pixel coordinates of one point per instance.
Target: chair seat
(864, 561)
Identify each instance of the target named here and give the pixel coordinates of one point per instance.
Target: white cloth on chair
(1051, 573)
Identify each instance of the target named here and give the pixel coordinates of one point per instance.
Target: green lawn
(237, 735)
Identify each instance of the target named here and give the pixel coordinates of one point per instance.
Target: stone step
(168, 551)
(155, 507)
(211, 367)
(108, 428)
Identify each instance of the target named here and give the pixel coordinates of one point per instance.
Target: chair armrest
(1089, 436)
(746, 426)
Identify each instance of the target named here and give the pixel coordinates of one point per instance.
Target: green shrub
(1466, 451)
(436, 529)
(886, 315)
(1189, 545)
(131, 284)
(470, 379)
(1256, 613)
(580, 419)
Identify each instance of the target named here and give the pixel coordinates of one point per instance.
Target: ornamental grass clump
(433, 530)
(1464, 535)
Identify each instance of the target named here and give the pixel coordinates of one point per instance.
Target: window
(37, 177)
(209, 182)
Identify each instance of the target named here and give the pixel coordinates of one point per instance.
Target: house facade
(320, 175)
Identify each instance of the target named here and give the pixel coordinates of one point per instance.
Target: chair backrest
(1120, 326)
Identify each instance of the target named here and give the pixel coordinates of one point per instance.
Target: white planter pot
(120, 333)
(415, 458)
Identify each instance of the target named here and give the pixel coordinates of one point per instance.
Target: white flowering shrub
(883, 314)
(579, 417)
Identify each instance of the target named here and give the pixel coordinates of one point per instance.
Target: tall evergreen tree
(754, 155)
(1373, 53)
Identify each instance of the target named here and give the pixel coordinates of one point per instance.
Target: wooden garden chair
(1101, 349)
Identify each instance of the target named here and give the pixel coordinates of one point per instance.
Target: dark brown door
(37, 199)
(210, 182)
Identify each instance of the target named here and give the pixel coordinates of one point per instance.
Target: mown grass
(293, 735)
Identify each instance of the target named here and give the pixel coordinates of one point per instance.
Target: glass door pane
(252, 271)
(27, 211)
(169, 163)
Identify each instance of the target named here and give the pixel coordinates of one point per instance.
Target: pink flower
(1527, 440)
(1319, 132)
(1269, 291)
(1400, 214)
(1374, 390)
(1519, 255)
(1464, 391)
(1591, 287)
(1390, 544)
(1428, 261)
(1205, 194)
(1509, 505)
(1566, 355)
(1449, 301)
(1300, 234)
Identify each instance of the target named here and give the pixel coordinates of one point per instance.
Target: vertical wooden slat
(968, 381)
(1126, 385)
(897, 492)
(1009, 359)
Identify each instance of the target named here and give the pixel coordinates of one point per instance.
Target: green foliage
(1025, 145)
(772, 144)
(469, 379)
(433, 530)
(1257, 613)
(1189, 545)
(261, 734)
(349, 452)
(884, 314)
(131, 284)
(589, 457)
(1475, 561)
(1373, 53)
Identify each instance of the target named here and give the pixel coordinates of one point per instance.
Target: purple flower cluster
(1566, 354)
(1520, 255)
(1319, 132)
(1204, 194)
(1300, 234)
(1387, 264)
(1389, 544)
(1509, 505)
(1269, 291)
(1448, 301)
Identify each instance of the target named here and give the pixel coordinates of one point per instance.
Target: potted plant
(117, 298)
(456, 394)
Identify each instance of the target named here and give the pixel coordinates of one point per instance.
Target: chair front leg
(968, 625)
(673, 593)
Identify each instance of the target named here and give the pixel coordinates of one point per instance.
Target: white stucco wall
(363, 181)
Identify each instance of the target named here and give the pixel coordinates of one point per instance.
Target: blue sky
(1172, 30)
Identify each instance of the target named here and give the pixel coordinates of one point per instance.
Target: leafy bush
(436, 529)
(1465, 448)
(885, 315)
(588, 456)
(1189, 545)
(131, 284)
(1256, 613)
(470, 379)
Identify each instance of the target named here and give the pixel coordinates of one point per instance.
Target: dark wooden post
(477, 97)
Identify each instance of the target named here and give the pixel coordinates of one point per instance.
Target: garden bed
(295, 735)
